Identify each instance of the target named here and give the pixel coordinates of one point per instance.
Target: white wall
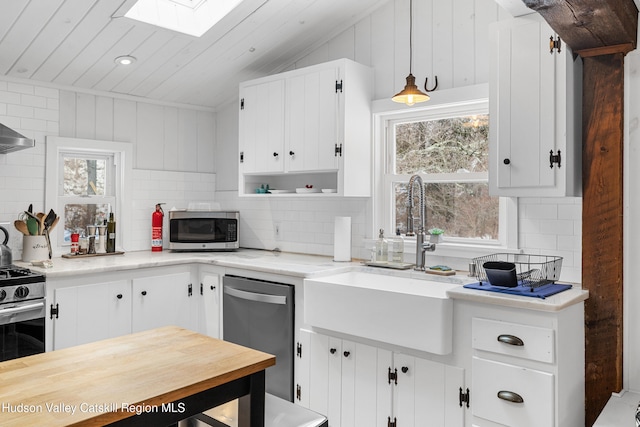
(631, 348)
(166, 170)
(450, 41)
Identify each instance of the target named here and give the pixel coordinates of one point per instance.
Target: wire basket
(532, 270)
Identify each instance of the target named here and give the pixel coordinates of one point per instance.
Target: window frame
(444, 104)
(119, 197)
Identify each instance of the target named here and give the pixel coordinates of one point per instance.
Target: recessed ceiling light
(193, 17)
(125, 60)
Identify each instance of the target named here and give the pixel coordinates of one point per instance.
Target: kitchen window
(448, 146)
(84, 183)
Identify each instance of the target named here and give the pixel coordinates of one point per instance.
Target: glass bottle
(111, 234)
(382, 248)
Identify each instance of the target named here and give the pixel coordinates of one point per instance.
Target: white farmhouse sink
(412, 313)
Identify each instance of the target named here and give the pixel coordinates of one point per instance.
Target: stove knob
(22, 292)
(3, 294)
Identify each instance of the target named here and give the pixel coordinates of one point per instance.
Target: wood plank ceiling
(75, 42)
(602, 32)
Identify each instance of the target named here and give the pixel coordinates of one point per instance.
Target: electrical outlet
(277, 230)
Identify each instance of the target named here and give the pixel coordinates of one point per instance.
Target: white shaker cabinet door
(209, 305)
(534, 112)
(92, 312)
(261, 127)
(164, 300)
(312, 120)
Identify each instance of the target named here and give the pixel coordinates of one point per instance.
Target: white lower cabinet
(92, 312)
(162, 301)
(527, 367)
(85, 309)
(209, 313)
(359, 385)
(512, 395)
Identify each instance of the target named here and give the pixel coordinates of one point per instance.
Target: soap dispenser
(382, 248)
(397, 247)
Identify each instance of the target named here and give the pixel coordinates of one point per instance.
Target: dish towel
(525, 291)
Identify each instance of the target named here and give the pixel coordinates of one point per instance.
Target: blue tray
(525, 291)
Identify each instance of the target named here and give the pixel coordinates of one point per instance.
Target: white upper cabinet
(535, 104)
(262, 127)
(307, 127)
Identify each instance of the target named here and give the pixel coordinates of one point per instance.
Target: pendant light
(410, 94)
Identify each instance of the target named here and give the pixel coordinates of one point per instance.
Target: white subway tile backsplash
(21, 88)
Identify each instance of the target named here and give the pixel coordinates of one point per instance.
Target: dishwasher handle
(256, 296)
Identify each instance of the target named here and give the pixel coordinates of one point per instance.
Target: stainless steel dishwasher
(259, 314)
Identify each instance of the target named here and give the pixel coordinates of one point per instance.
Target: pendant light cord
(410, 36)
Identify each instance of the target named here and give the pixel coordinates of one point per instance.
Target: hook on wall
(434, 87)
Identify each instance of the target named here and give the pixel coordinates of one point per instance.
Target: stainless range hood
(11, 141)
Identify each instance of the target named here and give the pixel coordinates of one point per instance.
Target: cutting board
(440, 272)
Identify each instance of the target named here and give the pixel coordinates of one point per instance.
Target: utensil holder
(35, 248)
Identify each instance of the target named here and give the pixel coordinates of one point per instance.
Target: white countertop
(284, 263)
(297, 265)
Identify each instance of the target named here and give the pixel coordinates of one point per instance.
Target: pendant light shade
(410, 94)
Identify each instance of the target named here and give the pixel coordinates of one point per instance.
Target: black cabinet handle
(510, 396)
(291, 153)
(119, 296)
(510, 339)
(332, 351)
(275, 154)
(506, 161)
(346, 353)
(143, 293)
(213, 287)
(404, 369)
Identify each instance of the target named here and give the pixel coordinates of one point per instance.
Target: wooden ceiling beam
(586, 25)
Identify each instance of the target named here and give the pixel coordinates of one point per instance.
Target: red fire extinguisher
(156, 228)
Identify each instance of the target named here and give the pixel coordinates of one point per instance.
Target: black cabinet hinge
(339, 86)
(54, 311)
(393, 423)
(393, 376)
(555, 44)
(242, 157)
(190, 290)
(242, 104)
(298, 392)
(555, 158)
(464, 397)
(299, 350)
(338, 150)
(201, 289)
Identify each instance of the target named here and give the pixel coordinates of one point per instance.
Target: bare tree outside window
(446, 152)
(85, 185)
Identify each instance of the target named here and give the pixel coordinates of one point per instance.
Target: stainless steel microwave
(204, 230)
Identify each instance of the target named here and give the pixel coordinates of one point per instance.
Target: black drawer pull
(510, 396)
(119, 296)
(346, 353)
(332, 351)
(511, 340)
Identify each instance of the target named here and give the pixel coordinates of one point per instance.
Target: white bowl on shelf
(329, 190)
(307, 190)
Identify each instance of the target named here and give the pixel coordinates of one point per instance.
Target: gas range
(20, 284)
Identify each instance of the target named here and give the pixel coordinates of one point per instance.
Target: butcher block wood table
(151, 378)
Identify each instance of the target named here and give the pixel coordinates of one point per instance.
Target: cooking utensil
(48, 220)
(21, 226)
(33, 226)
(6, 258)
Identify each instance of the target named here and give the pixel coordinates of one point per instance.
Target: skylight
(193, 17)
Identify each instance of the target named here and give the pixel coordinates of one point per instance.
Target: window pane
(443, 146)
(78, 216)
(461, 209)
(84, 176)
